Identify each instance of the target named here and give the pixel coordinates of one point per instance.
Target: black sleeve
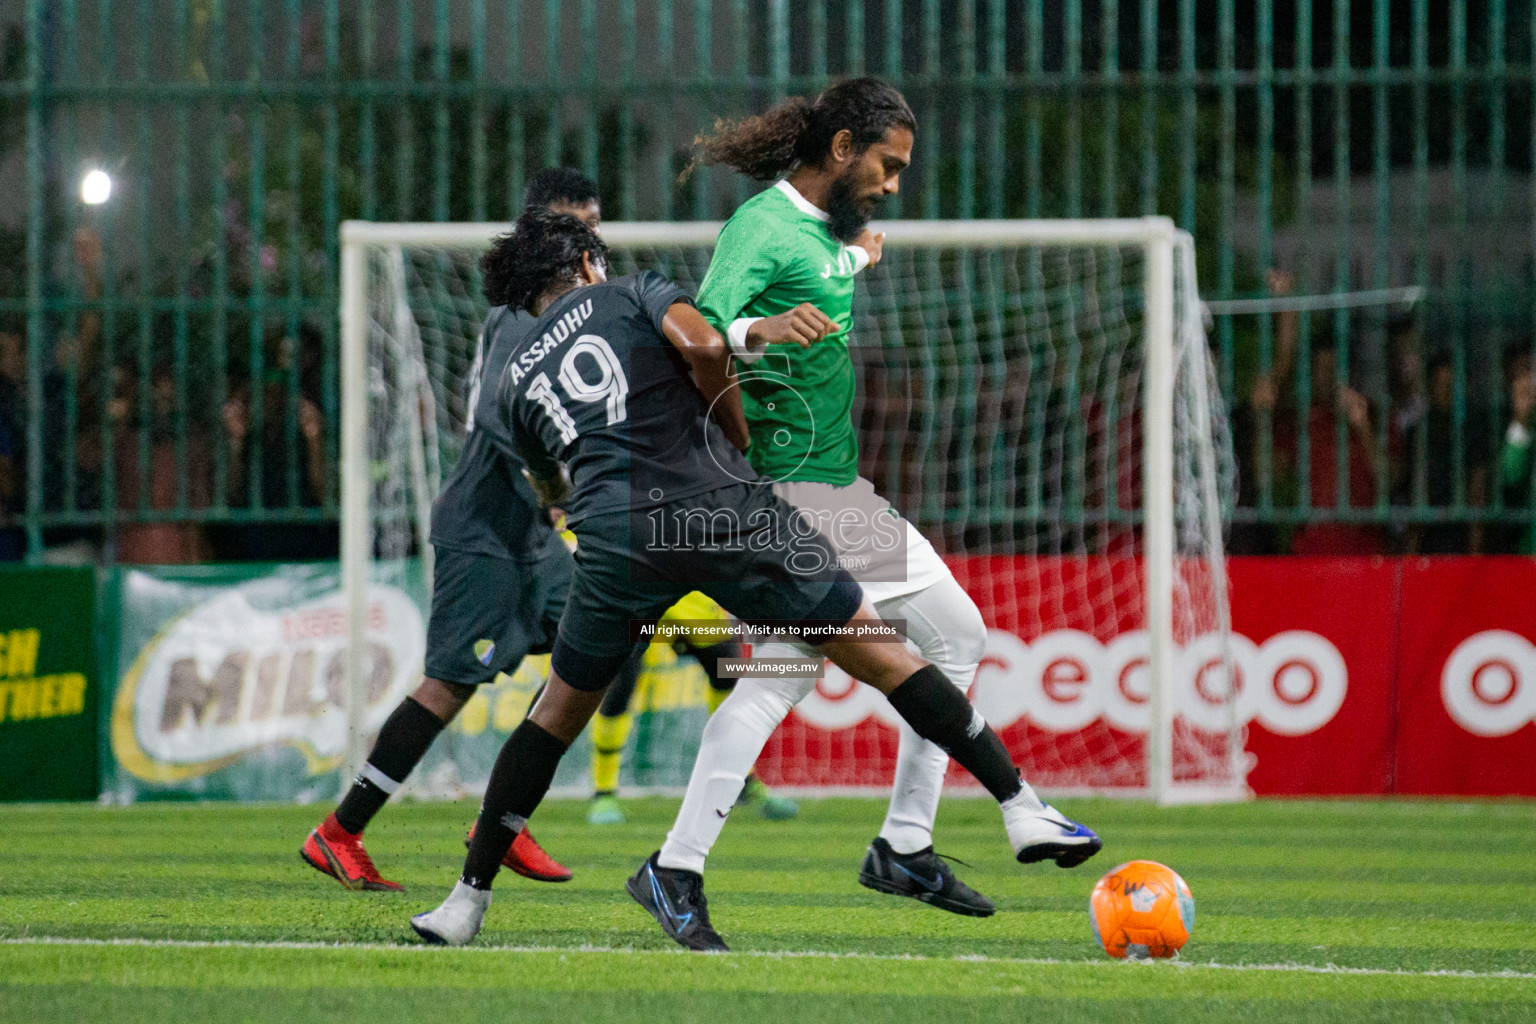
(525, 442)
(655, 295)
(541, 465)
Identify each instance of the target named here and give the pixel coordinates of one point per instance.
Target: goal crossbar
(922, 233)
(1167, 252)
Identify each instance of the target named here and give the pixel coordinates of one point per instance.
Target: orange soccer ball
(1142, 909)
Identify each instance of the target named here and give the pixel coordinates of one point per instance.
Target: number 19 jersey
(595, 384)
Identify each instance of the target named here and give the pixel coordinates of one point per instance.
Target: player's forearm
(718, 384)
(710, 359)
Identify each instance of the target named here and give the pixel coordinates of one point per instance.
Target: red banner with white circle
(1355, 675)
(1467, 677)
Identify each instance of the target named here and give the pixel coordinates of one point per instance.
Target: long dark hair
(544, 250)
(550, 185)
(799, 131)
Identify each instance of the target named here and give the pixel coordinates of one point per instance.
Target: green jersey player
(783, 271)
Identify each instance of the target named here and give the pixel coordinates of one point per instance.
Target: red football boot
(528, 859)
(332, 850)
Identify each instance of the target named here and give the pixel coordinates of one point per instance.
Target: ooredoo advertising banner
(1354, 676)
(1330, 727)
(1466, 704)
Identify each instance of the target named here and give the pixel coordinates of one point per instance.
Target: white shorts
(882, 550)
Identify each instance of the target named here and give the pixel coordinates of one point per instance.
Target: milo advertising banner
(48, 684)
(230, 679)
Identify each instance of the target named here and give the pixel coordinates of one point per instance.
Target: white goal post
(1078, 383)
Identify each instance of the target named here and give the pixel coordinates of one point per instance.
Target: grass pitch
(1337, 911)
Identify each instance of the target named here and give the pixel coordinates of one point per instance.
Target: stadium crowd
(235, 464)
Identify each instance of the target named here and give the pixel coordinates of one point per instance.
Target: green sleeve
(741, 269)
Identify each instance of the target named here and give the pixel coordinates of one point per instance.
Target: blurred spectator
(1253, 421)
(152, 433)
(289, 475)
(71, 380)
(1515, 462)
(1331, 401)
(76, 375)
(1422, 445)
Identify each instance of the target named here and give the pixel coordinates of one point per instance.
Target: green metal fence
(170, 358)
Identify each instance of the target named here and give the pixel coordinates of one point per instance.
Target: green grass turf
(1405, 888)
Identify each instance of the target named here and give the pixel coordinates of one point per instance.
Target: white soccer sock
(948, 630)
(920, 768)
(1025, 802)
(1021, 814)
(733, 738)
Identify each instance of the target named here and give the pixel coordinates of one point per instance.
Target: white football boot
(457, 921)
(1039, 832)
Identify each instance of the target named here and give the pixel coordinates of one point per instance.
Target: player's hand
(551, 490)
(235, 421)
(871, 243)
(1356, 409)
(1264, 393)
(801, 326)
(311, 422)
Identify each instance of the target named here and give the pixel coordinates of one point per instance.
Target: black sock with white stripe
(524, 769)
(404, 739)
(938, 712)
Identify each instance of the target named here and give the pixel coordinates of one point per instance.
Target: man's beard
(849, 214)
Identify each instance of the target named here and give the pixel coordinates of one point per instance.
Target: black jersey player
(498, 589)
(624, 385)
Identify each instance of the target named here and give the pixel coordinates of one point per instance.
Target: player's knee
(968, 640)
(958, 638)
(841, 602)
(585, 671)
(442, 698)
(898, 664)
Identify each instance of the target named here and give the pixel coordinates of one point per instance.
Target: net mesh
(1000, 397)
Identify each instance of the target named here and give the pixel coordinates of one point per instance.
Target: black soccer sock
(524, 769)
(709, 660)
(937, 711)
(405, 737)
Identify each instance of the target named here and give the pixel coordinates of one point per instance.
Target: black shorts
(489, 613)
(737, 544)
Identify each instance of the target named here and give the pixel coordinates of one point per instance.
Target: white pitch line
(788, 954)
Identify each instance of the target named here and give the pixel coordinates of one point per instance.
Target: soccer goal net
(1036, 396)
